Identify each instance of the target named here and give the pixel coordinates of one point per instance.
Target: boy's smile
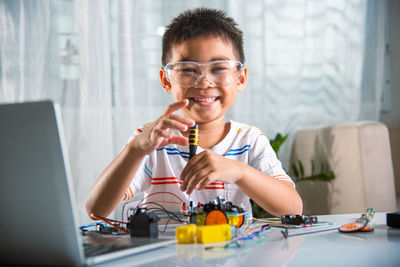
(208, 102)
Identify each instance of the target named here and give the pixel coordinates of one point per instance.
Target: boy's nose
(204, 81)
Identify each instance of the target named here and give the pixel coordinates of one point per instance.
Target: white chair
(359, 154)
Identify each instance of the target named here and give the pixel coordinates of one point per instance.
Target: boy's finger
(190, 167)
(191, 170)
(179, 140)
(182, 119)
(198, 162)
(172, 124)
(176, 106)
(200, 178)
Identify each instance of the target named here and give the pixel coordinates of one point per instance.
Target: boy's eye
(188, 70)
(218, 68)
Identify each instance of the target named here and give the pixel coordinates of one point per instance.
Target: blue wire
(92, 224)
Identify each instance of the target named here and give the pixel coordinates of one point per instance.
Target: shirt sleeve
(264, 159)
(142, 179)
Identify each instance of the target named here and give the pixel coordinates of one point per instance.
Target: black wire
(169, 213)
(169, 219)
(166, 225)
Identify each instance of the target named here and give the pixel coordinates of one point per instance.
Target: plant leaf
(312, 167)
(326, 177)
(278, 141)
(295, 171)
(301, 168)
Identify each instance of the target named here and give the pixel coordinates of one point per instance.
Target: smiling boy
(203, 70)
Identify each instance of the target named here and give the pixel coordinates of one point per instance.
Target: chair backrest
(359, 155)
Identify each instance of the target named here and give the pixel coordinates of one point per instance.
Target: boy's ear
(243, 80)
(166, 85)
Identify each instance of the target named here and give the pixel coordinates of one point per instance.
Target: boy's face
(208, 102)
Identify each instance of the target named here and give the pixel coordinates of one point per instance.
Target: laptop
(39, 223)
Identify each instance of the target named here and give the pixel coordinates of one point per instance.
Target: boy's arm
(110, 187)
(276, 197)
(112, 183)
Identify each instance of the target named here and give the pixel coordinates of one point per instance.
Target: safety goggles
(189, 73)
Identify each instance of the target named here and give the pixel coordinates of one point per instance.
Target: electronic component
(143, 224)
(100, 228)
(393, 219)
(360, 224)
(205, 233)
(298, 219)
(218, 211)
(351, 227)
(367, 216)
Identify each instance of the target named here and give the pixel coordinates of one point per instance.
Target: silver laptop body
(38, 222)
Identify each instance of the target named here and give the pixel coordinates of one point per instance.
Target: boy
(203, 70)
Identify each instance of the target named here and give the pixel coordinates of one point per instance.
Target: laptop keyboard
(102, 248)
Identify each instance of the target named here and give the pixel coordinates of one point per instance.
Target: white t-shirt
(160, 171)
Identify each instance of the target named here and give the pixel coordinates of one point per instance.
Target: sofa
(359, 154)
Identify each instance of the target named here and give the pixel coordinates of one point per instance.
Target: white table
(330, 248)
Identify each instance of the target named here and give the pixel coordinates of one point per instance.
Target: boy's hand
(157, 135)
(207, 167)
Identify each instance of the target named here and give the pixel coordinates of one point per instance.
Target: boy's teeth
(210, 99)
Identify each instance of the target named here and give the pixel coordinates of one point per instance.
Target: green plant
(324, 173)
(277, 142)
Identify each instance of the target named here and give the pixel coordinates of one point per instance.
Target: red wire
(108, 221)
(155, 193)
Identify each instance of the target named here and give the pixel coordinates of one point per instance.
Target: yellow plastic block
(213, 233)
(235, 220)
(200, 218)
(203, 234)
(186, 234)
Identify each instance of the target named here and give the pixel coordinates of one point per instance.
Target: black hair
(202, 22)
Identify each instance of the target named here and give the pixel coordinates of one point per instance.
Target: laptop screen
(39, 218)
(40, 221)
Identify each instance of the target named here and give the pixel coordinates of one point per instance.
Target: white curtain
(311, 63)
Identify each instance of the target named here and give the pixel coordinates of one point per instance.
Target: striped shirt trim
(128, 194)
(175, 151)
(216, 185)
(175, 180)
(147, 171)
(165, 180)
(257, 160)
(231, 152)
(282, 177)
(234, 152)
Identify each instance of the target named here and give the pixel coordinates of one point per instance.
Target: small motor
(143, 224)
